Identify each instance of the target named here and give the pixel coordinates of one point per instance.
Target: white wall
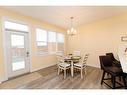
(99, 37)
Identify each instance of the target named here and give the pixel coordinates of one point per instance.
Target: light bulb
(75, 32)
(72, 29)
(68, 31)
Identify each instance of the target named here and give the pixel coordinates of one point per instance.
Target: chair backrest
(76, 53)
(105, 61)
(60, 59)
(84, 59)
(111, 56)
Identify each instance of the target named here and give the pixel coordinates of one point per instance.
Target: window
(51, 36)
(49, 41)
(60, 37)
(15, 26)
(17, 40)
(41, 39)
(60, 42)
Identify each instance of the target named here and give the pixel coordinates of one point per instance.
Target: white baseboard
(3, 79)
(33, 70)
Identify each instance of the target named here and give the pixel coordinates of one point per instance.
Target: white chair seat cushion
(78, 64)
(64, 64)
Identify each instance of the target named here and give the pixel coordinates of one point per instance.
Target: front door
(17, 52)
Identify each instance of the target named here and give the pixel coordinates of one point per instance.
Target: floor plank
(47, 78)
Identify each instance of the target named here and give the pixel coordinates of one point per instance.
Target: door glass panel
(18, 52)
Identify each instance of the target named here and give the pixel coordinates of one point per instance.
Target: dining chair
(115, 61)
(76, 53)
(107, 66)
(81, 65)
(62, 65)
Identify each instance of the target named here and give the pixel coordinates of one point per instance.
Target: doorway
(17, 53)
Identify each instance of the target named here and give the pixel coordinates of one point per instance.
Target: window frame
(14, 21)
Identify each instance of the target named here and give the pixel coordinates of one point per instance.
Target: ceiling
(60, 16)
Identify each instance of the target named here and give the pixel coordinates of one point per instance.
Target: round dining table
(72, 60)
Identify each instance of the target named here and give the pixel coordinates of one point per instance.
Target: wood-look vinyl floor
(48, 79)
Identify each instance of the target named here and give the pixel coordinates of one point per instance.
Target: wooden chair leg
(113, 80)
(64, 73)
(124, 80)
(102, 77)
(81, 74)
(85, 70)
(58, 70)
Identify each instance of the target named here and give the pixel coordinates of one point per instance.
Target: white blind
(60, 37)
(41, 37)
(60, 42)
(51, 36)
(49, 41)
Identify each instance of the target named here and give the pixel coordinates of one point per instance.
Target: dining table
(72, 60)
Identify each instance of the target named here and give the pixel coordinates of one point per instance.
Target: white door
(17, 53)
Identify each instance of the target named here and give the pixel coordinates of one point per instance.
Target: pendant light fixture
(72, 31)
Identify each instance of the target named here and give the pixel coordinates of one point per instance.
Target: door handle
(27, 54)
